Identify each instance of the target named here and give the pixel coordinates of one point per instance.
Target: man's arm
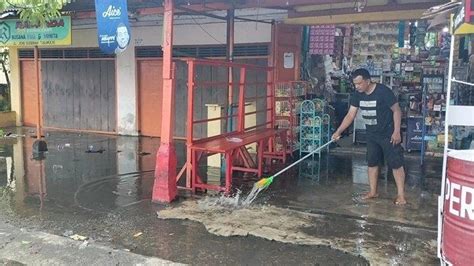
(348, 119)
(397, 120)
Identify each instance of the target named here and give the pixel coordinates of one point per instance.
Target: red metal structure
(231, 143)
(164, 187)
(458, 224)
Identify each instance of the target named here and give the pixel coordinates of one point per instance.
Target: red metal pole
(165, 187)
(271, 77)
(271, 86)
(241, 110)
(190, 124)
(38, 92)
(230, 58)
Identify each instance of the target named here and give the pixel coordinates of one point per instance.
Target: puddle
(106, 196)
(379, 244)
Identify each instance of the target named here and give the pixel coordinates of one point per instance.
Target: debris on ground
(10, 135)
(84, 244)
(78, 237)
(95, 151)
(138, 234)
(143, 153)
(68, 233)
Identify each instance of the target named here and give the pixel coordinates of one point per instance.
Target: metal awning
(300, 12)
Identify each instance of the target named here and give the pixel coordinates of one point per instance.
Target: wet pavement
(100, 187)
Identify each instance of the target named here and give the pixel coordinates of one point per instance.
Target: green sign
(14, 32)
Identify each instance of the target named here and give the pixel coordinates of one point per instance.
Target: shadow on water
(100, 186)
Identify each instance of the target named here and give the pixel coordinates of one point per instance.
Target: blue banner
(113, 29)
(414, 133)
(401, 34)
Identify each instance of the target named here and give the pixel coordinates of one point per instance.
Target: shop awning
(463, 20)
(342, 12)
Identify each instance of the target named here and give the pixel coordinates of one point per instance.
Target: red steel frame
(164, 186)
(260, 133)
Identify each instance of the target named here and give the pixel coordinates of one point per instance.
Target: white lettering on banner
(112, 11)
(467, 207)
(466, 193)
(453, 198)
(108, 39)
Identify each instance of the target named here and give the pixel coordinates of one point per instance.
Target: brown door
(29, 96)
(288, 41)
(150, 94)
(79, 94)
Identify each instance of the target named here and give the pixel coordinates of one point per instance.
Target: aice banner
(113, 30)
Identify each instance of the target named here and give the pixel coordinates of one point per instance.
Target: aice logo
(107, 39)
(112, 11)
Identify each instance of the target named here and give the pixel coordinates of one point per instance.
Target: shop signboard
(14, 32)
(463, 20)
(414, 133)
(113, 29)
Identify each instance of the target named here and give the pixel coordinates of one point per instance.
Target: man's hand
(336, 136)
(396, 138)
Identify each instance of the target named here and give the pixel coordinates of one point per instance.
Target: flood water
(100, 186)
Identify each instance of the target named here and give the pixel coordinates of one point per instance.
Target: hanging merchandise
(321, 40)
(412, 33)
(401, 34)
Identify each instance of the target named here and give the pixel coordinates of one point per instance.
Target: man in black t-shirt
(382, 116)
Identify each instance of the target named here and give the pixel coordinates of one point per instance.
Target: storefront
(410, 57)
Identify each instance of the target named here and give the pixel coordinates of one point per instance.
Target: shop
(455, 201)
(410, 57)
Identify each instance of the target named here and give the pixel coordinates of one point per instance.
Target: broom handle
(304, 157)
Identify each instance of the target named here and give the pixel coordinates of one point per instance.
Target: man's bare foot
(400, 200)
(370, 196)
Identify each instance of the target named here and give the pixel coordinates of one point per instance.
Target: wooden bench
(233, 146)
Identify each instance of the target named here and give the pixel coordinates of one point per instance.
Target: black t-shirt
(375, 110)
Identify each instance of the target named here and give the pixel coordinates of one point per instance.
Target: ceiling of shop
(304, 12)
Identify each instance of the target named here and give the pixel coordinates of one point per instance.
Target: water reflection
(116, 177)
(122, 175)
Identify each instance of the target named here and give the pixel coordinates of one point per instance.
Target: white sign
(288, 60)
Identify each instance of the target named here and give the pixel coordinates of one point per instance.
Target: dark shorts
(379, 148)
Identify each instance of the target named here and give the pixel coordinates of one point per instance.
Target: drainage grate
(204, 51)
(143, 52)
(65, 53)
(26, 53)
(251, 50)
(185, 51)
(51, 53)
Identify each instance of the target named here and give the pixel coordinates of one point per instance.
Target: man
(123, 38)
(382, 116)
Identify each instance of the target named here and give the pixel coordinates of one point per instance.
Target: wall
(15, 84)
(147, 32)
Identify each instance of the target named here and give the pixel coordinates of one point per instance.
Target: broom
(265, 182)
